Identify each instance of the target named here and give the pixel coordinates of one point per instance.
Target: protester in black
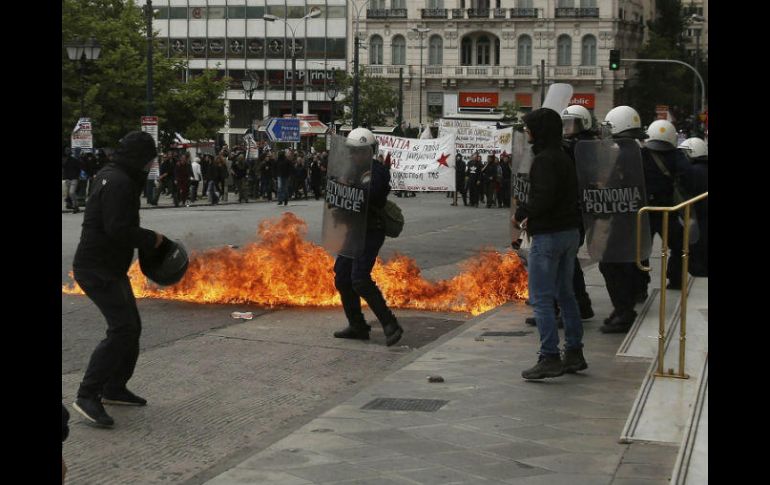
(460, 179)
(111, 232)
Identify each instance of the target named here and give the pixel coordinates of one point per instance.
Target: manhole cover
(505, 334)
(394, 404)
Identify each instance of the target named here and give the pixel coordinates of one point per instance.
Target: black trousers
(624, 282)
(353, 280)
(675, 240)
(114, 359)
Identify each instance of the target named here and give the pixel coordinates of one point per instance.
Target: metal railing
(577, 12)
(478, 13)
(686, 205)
(435, 13)
(499, 13)
(523, 13)
(386, 13)
(457, 13)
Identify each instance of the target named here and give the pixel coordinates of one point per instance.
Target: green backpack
(392, 217)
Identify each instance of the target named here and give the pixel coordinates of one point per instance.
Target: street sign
(283, 129)
(150, 125)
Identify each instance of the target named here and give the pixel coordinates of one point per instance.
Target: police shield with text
(521, 161)
(357, 186)
(611, 183)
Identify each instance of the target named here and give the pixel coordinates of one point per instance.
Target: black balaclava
(135, 151)
(546, 128)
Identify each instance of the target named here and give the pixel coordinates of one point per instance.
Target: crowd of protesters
(272, 174)
(487, 182)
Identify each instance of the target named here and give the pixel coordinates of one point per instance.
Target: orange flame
(283, 269)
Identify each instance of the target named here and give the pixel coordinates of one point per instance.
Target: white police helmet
(695, 148)
(662, 136)
(575, 118)
(361, 137)
(622, 118)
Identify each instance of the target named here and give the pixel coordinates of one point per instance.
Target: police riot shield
(347, 197)
(558, 97)
(611, 187)
(521, 161)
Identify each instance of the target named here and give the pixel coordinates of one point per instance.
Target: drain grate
(505, 334)
(394, 404)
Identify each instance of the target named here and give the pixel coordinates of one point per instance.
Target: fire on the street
(283, 269)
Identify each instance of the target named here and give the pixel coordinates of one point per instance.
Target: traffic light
(614, 59)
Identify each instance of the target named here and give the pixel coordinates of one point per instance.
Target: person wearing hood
(552, 218)
(111, 231)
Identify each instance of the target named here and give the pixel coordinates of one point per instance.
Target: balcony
(589, 12)
(386, 13)
(457, 13)
(478, 13)
(435, 13)
(443, 72)
(519, 13)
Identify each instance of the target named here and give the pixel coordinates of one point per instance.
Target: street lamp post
(696, 18)
(332, 92)
(358, 11)
(82, 52)
(421, 32)
(148, 13)
(250, 83)
(314, 12)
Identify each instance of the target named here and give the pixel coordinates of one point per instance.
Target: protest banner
(420, 165)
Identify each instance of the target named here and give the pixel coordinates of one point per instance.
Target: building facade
(457, 56)
(468, 56)
(234, 38)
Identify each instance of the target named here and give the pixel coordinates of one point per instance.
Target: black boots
(356, 329)
(547, 366)
(393, 332)
(574, 361)
(619, 322)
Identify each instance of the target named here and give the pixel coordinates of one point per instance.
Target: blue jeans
(283, 189)
(551, 264)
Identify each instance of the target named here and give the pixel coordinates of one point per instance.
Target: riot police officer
(352, 276)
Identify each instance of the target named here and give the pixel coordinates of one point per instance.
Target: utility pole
(355, 79)
(400, 118)
(542, 82)
(148, 13)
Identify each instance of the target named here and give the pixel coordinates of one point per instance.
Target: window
(398, 50)
(177, 12)
(435, 50)
(377, 4)
(255, 12)
(375, 50)
(336, 48)
(275, 48)
(524, 53)
(466, 51)
(336, 12)
(255, 48)
(433, 4)
(162, 12)
(236, 12)
(397, 4)
(588, 55)
(480, 4)
(277, 10)
(587, 3)
(295, 12)
(564, 51)
(525, 4)
(565, 4)
(483, 51)
(322, 8)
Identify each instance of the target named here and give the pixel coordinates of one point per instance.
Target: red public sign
(149, 120)
(585, 100)
(478, 100)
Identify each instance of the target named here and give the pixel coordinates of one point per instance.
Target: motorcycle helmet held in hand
(167, 265)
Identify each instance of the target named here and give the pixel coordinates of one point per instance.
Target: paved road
(221, 389)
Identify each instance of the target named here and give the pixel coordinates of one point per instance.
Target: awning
(383, 129)
(475, 116)
(233, 131)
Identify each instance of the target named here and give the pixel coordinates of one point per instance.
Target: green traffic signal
(614, 59)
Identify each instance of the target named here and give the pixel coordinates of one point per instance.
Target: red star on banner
(442, 160)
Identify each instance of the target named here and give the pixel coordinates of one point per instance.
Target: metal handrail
(686, 205)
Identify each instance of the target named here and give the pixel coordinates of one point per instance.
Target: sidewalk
(165, 202)
(484, 423)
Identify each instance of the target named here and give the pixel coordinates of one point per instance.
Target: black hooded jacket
(111, 228)
(553, 192)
